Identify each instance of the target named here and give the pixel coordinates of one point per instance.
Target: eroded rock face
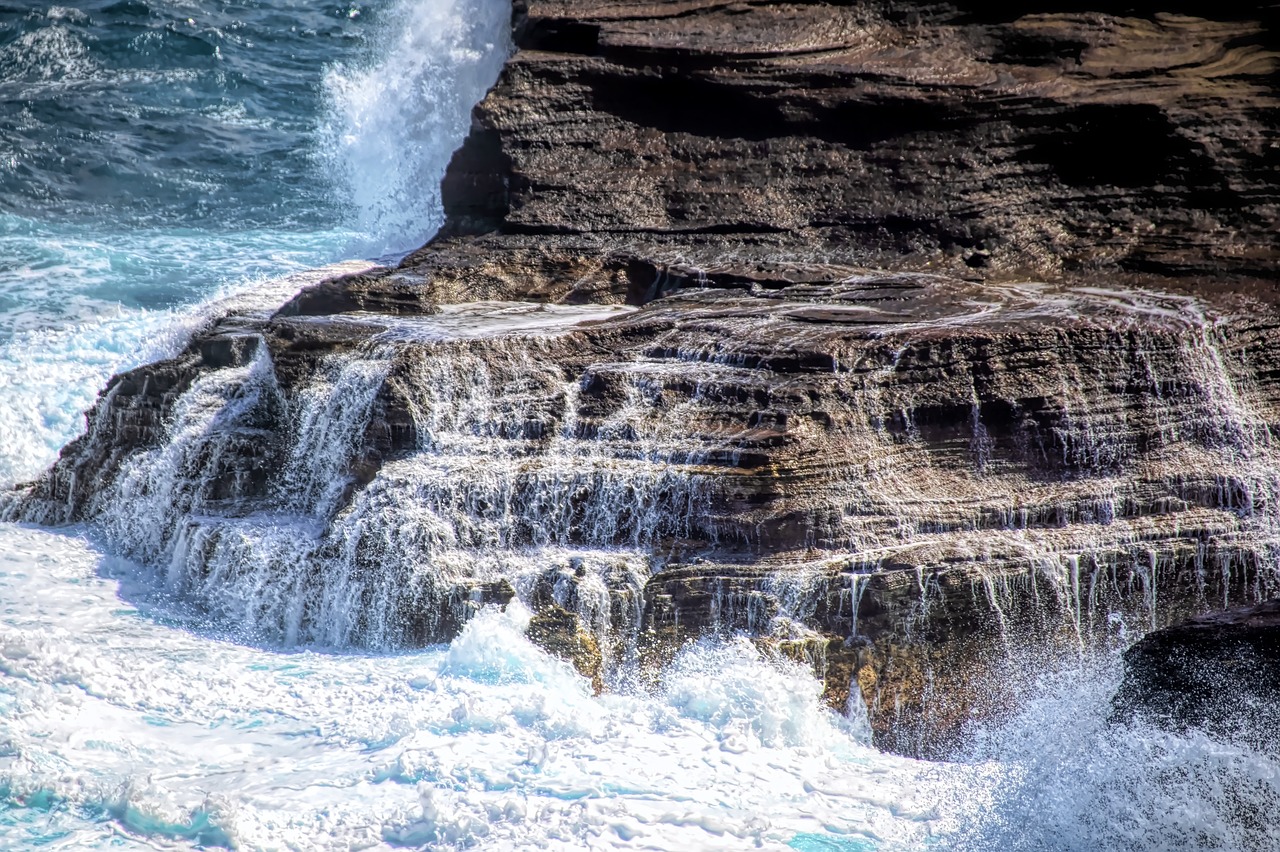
(1015, 434)
(888, 476)
(1060, 138)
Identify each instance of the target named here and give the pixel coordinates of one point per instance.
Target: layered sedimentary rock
(834, 324)
(890, 477)
(1063, 137)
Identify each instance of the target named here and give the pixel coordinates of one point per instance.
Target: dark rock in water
(373, 293)
(953, 328)
(1219, 671)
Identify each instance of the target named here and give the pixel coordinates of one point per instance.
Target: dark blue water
(124, 113)
(155, 154)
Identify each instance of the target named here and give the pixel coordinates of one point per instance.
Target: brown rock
(558, 631)
(941, 136)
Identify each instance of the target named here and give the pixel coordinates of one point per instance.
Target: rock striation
(1061, 138)
(893, 335)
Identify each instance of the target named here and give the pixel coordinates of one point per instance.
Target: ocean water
(122, 728)
(158, 157)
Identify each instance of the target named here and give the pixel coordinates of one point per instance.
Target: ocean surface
(160, 157)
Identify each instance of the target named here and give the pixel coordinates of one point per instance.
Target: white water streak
(394, 123)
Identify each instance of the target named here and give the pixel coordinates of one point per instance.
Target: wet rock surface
(952, 329)
(890, 478)
(558, 631)
(1219, 671)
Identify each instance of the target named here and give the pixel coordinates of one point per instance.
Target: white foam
(128, 727)
(51, 53)
(1059, 775)
(395, 120)
(471, 320)
(53, 373)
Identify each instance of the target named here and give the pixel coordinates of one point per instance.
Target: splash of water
(508, 485)
(1058, 774)
(123, 729)
(394, 122)
(129, 284)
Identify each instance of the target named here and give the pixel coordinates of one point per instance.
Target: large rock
(1061, 138)
(891, 477)
(954, 329)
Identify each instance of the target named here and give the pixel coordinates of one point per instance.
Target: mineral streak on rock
(952, 329)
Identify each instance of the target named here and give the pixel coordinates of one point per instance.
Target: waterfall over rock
(811, 465)
(904, 344)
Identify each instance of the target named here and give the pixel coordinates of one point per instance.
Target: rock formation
(1219, 671)
(948, 329)
(1066, 137)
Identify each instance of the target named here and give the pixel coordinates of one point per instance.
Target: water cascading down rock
(691, 408)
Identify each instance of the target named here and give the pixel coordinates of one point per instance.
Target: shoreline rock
(953, 330)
